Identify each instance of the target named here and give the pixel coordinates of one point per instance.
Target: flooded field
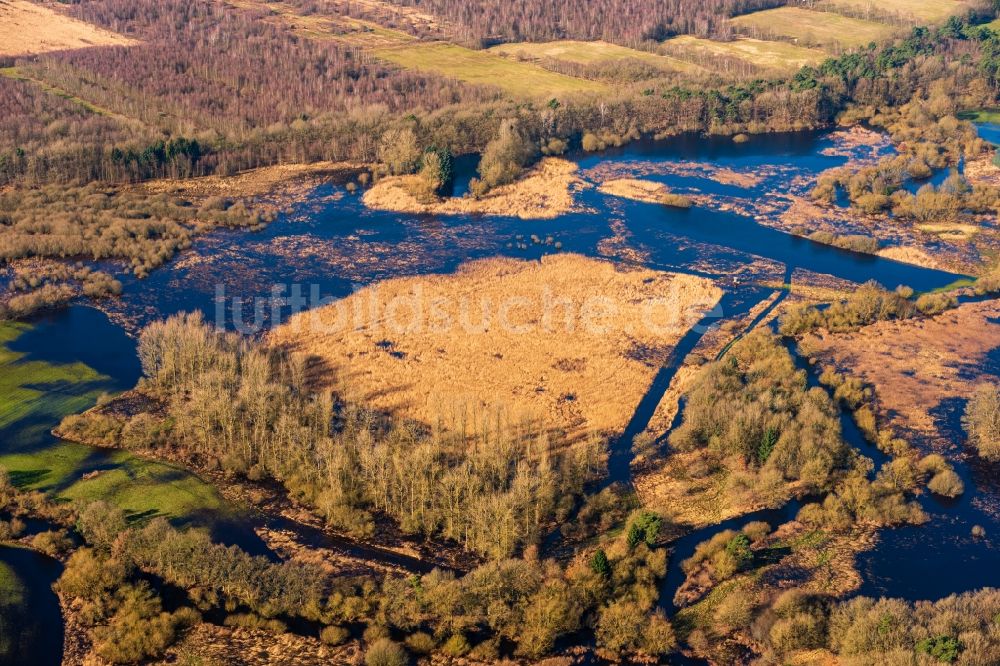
(333, 245)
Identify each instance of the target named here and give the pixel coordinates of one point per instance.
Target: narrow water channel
(31, 624)
(684, 548)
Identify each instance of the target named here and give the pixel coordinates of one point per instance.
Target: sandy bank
(644, 190)
(280, 179)
(910, 255)
(982, 171)
(545, 192)
(569, 341)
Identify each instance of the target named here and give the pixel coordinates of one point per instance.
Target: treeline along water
(337, 244)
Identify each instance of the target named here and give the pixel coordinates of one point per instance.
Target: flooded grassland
(718, 271)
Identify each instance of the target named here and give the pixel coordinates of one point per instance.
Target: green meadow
(35, 396)
(983, 115)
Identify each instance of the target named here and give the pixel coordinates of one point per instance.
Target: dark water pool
(31, 628)
(82, 335)
(990, 132)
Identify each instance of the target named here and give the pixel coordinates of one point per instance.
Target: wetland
(331, 245)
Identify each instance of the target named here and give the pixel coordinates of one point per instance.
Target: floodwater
(330, 245)
(943, 557)
(990, 132)
(31, 627)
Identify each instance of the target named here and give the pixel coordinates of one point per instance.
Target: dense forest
(756, 407)
(214, 52)
(197, 77)
(620, 21)
(116, 570)
(37, 126)
(206, 106)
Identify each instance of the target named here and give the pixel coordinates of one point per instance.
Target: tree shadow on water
(947, 416)
(35, 626)
(229, 531)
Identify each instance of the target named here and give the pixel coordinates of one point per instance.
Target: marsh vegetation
(544, 564)
(253, 410)
(755, 409)
(982, 421)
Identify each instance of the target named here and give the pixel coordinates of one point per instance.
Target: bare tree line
(492, 488)
(622, 21)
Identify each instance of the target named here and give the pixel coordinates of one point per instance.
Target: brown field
(253, 183)
(355, 32)
(27, 28)
(589, 53)
(951, 231)
(570, 342)
(911, 11)
(271, 189)
(642, 190)
(211, 644)
(982, 171)
(811, 28)
(778, 56)
(545, 192)
(910, 255)
(921, 369)
(520, 79)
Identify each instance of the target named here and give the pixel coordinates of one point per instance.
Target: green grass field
(23, 394)
(520, 79)
(589, 53)
(34, 397)
(984, 115)
(779, 56)
(812, 28)
(915, 11)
